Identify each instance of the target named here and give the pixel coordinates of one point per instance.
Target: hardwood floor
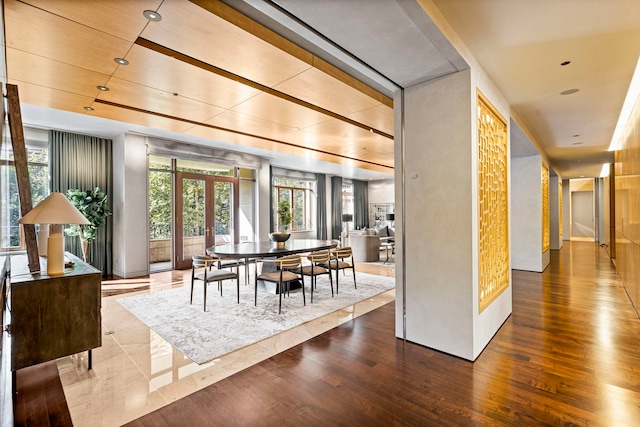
(566, 356)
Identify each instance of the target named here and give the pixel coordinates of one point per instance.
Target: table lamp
(56, 210)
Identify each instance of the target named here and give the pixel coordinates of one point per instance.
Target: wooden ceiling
(203, 70)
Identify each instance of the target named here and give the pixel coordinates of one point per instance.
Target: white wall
(382, 191)
(526, 213)
(130, 211)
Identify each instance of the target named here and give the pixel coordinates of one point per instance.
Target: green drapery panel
(336, 207)
(321, 206)
(360, 204)
(84, 162)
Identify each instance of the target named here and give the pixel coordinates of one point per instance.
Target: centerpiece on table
(284, 216)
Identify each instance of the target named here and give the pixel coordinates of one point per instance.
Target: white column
(130, 210)
(441, 224)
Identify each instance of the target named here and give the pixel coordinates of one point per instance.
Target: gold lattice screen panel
(560, 208)
(493, 206)
(545, 208)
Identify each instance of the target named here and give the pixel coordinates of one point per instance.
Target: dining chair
(340, 261)
(285, 274)
(315, 269)
(208, 275)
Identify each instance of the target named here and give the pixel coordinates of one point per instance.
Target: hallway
(566, 356)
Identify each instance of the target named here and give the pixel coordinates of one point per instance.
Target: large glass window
(298, 193)
(11, 237)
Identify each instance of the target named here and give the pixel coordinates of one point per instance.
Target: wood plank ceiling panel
(51, 98)
(50, 73)
(379, 117)
(181, 78)
(189, 29)
(143, 119)
(319, 88)
(122, 19)
(292, 149)
(51, 36)
(278, 110)
(253, 125)
(148, 98)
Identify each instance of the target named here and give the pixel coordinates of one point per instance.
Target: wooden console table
(53, 316)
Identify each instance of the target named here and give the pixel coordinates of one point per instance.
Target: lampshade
(347, 217)
(55, 209)
(391, 217)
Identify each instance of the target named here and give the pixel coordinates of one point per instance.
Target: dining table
(249, 251)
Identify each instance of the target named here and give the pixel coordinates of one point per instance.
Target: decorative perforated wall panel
(545, 208)
(493, 206)
(560, 208)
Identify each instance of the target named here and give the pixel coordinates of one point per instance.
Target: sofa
(366, 243)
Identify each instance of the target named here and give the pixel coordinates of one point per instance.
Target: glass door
(203, 214)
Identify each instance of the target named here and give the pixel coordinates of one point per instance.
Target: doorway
(204, 214)
(582, 226)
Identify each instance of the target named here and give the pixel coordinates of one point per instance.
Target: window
(11, 237)
(299, 194)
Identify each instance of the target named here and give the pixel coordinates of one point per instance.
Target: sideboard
(53, 316)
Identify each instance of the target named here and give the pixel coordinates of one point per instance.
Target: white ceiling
(520, 44)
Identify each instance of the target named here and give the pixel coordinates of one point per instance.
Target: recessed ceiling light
(103, 88)
(576, 135)
(121, 61)
(152, 16)
(577, 143)
(565, 63)
(569, 91)
(89, 108)
(581, 176)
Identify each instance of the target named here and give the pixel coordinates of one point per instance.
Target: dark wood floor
(568, 355)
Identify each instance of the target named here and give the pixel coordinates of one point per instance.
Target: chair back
(341, 253)
(320, 256)
(289, 262)
(199, 261)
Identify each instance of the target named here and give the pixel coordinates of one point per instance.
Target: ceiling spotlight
(577, 143)
(89, 108)
(103, 88)
(121, 61)
(569, 91)
(152, 16)
(565, 63)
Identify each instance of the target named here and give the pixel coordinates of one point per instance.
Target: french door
(205, 207)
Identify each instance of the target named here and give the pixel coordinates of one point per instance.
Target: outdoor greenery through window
(298, 193)
(11, 237)
(160, 197)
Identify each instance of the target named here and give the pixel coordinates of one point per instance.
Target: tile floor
(136, 371)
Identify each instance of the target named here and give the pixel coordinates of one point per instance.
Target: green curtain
(360, 204)
(321, 206)
(336, 207)
(84, 162)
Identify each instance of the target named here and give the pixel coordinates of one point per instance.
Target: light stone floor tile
(136, 371)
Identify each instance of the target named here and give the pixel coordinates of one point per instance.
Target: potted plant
(284, 217)
(94, 206)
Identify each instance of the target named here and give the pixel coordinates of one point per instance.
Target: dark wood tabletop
(269, 249)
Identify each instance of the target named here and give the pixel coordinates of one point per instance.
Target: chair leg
(192, 279)
(205, 294)
(353, 268)
(238, 287)
(304, 299)
(313, 280)
(331, 282)
(280, 292)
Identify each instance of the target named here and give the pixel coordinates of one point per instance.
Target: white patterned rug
(227, 326)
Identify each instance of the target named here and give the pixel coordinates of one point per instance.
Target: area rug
(227, 326)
